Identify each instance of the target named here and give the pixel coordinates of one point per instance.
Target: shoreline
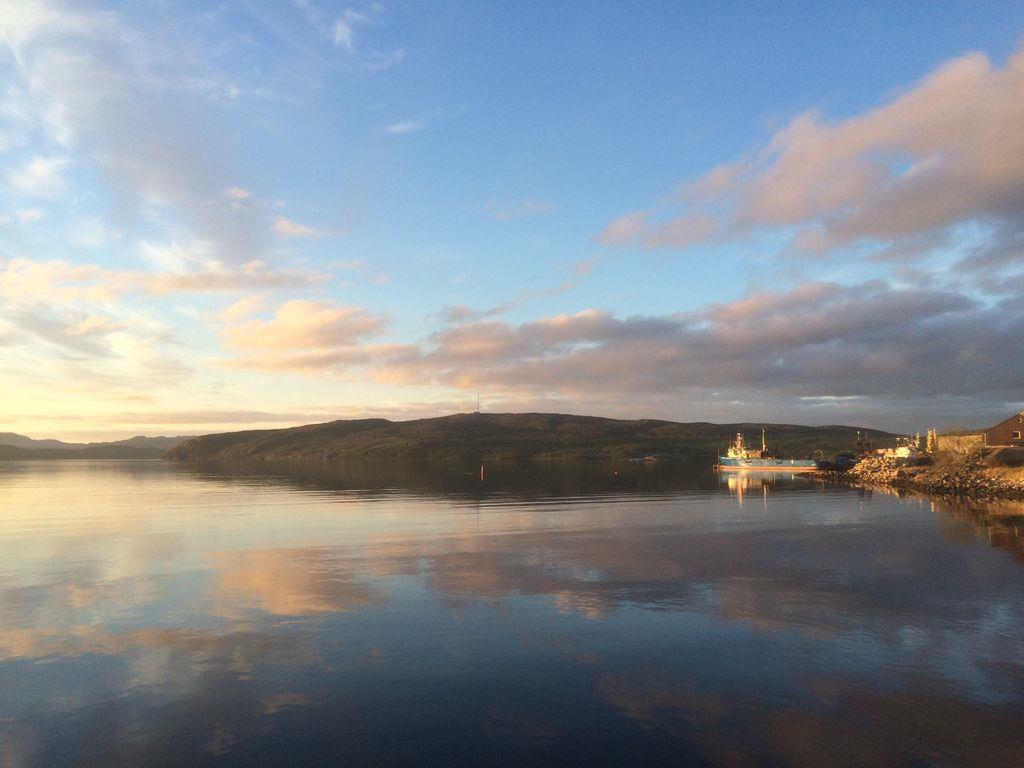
(989, 474)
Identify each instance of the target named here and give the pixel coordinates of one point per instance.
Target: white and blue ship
(739, 458)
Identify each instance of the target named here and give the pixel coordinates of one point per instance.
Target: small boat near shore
(740, 458)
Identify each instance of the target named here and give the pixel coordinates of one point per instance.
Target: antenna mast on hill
(478, 402)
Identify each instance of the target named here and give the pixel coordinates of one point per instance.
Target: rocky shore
(989, 473)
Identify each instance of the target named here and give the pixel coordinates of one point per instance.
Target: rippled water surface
(154, 614)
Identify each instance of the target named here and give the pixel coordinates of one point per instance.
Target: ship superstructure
(738, 457)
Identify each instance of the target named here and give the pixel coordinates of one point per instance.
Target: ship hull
(726, 464)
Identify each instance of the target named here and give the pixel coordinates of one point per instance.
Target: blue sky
(266, 213)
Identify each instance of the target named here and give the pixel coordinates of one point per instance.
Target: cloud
(633, 229)
(456, 314)
(21, 216)
(571, 276)
(179, 257)
(378, 62)
(40, 177)
(304, 335)
(624, 229)
(241, 309)
(93, 355)
(948, 150)
(74, 333)
(408, 126)
(289, 228)
(93, 324)
(681, 232)
(56, 280)
(584, 267)
(1006, 249)
(25, 20)
(578, 271)
(237, 193)
(286, 583)
(212, 416)
(144, 112)
(92, 233)
(343, 34)
(767, 350)
(820, 347)
(91, 331)
(525, 208)
(254, 275)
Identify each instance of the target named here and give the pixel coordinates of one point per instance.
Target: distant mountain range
(476, 436)
(15, 446)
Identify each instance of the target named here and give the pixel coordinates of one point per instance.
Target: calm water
(152, 614)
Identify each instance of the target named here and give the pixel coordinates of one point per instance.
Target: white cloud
(21, 216)
(343, 34)
(237, 193)
(177, 257)
(113, 98)
(342, 31)
(407, 126)
(26, 20)
(40, 177)
(381, 61)
(93, 233)
(289, 228)
(59, 281)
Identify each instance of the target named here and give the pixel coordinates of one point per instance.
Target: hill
(21, 441)
(15, 446)
(472, 436)
(11, 452)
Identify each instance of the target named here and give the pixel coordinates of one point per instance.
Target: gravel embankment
(986, 474)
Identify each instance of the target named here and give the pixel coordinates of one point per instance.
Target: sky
(217, 216)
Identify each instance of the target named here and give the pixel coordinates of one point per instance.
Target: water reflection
(1001, 522)
(745, 485)
(459, 481)
(603, 613)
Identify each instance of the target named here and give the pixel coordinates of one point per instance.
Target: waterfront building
(1008, 432)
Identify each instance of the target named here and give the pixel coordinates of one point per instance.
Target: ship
(740, 458)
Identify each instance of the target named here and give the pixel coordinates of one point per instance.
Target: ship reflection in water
(744, 485)
(629, 614)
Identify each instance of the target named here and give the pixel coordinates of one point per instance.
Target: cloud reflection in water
(249, 617)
